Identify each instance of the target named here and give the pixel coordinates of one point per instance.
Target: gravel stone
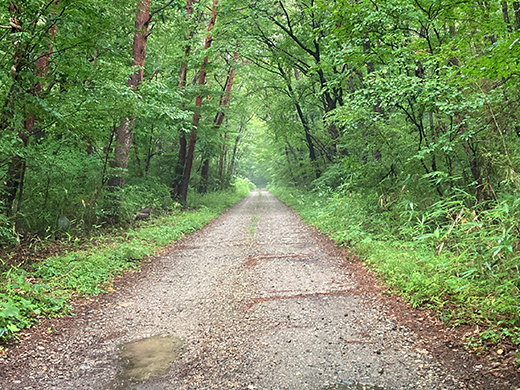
(260, 302)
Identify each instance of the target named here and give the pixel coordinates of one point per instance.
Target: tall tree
(198, 105)
(14, 180)
(124, 132)
(181, 160)
(217, 123)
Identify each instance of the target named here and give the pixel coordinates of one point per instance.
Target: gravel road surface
(254, 300)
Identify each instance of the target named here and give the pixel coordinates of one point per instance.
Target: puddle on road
(147, 358)
(354, 386)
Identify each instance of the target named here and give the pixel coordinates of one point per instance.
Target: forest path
(258, 301)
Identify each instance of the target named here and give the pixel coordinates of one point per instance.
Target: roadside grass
(441, 270)
(44, 289)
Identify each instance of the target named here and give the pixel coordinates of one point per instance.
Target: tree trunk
(150, 153)
(516, 9)
(125, 133)
(222, 161)
(289, 165)
(505, 14)
(204, 174)
(179, 167)
(196, 116)
(12, 183)
(233, 155)
(305, 124)
(219, 118)
(224, 100)
(181, 160)
(473, 162)
(16, 170)
(306, 128)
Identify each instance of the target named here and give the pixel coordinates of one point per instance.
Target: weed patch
(471, 279)
(44, 289)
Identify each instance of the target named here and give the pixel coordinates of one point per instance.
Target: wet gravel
(259, 302)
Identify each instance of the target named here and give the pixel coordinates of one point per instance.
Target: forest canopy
(389, 122)
(112, 106)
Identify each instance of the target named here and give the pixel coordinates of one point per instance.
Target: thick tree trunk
(196, 116)
(125, 133)
(120, 162)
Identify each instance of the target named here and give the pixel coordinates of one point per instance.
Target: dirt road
(253, 301)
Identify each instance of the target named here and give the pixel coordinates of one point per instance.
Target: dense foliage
(395, 123)
(68, 88)
(96, 97)
(395, 118)
(44, 288)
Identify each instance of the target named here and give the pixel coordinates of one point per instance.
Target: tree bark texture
(179, 167)
(125, 133)
(198, 104)
(187, 47)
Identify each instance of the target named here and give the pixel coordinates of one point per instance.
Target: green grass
(44, 289)
(461, 282)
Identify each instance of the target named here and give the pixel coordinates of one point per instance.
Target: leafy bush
(45, 287)
(461, 261)
(7, 234)
(23, 300)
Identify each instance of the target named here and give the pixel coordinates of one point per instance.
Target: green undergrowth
(45, 288)
(465, 269)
